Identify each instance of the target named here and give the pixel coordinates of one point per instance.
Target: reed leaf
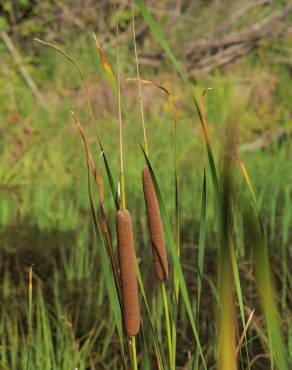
(172, 248)
(159, 37)
(263, 277)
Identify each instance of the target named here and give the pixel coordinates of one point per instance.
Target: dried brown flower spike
(131, 312)
(155, 226)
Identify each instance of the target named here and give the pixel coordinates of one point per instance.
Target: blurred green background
(242, 50)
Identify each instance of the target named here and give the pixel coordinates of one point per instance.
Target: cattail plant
(153, 213)
(152, 207)
(126, 249)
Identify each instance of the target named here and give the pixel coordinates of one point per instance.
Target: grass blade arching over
(158, 35)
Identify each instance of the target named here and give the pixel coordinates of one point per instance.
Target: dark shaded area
(23, 245)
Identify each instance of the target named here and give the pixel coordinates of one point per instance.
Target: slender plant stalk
(98, 179)
(155, 339)
(165, 300)
(202, 234)
(160, 259)
(114, 85)
(134, 353)
(29, 318)
(167, 323)
(30, 301)
(176, 235)
(202, 239)
(139, 83)
(97, 227)
(122, 177)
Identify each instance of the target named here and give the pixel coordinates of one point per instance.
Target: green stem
(177, 237)
(30, 335)
(30, 301)
(123, 193)
(139, 83)
(168, 328)
(134, 353)
(122, 179)
(174, 321)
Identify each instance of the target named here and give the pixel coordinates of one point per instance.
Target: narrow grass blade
(76, 65)
(201, 258)
(227, 315)
(145, 365)
(202, 242)
(177, 238)
(106, 66)
(245, 329)
(221, 216)
(102, 214)
(111, 288)
(155, 339)
(264, 279)
(114, 190)
(109, 73)
(112, 284)
(158, 35)
(177, 265)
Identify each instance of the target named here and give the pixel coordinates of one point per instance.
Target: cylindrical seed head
(155, 226)
(127, 258)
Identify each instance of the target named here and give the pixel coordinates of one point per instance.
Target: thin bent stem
(122, 178)
(168, 328)
(139, 84)
(67, 56)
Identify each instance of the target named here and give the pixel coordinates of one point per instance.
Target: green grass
(71, 318)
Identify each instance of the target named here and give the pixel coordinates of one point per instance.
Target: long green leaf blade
(175, 259)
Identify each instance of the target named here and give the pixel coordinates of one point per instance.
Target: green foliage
(3, 23)
(45, 213)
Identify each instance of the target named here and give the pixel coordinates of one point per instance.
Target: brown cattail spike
(127, 258)
(155, 226)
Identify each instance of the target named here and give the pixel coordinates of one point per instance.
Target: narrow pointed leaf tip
(104, 61)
